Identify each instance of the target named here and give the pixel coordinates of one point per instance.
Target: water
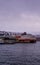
(20, 54)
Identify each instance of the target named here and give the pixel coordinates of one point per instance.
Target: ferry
(18, 39)
(26, 39)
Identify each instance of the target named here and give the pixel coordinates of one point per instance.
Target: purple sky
(20, 15)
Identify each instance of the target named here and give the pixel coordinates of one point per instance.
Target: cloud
(20, 22)
(29, 22)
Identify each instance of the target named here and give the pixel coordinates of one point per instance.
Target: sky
(20, 16)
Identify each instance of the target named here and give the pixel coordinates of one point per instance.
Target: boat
(18, 39)
(9, 40)
(26, 39)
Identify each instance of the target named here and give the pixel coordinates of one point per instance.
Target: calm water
(20, 54)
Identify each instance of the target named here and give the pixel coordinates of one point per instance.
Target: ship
(20, 38)
(26, 39)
